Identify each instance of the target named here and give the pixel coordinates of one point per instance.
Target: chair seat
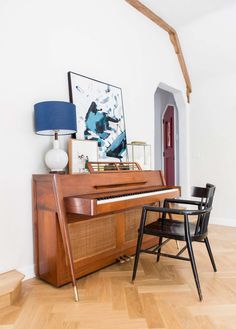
(169, 228)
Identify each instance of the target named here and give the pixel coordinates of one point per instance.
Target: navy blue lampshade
(55, 116)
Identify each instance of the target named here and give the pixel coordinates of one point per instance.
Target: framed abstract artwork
(100, 115)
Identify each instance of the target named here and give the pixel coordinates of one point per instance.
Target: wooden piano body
(76, 232)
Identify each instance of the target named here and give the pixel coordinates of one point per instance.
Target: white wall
(40, 42)
(210, 52)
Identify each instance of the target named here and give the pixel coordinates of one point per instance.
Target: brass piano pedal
(120, 260)
(125, 258)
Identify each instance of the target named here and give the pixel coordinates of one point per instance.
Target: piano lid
(82, 184)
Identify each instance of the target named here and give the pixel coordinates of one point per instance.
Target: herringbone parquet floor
(163, 296)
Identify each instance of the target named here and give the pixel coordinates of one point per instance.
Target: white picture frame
(81, 151)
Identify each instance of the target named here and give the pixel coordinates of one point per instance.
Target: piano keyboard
(134, 196)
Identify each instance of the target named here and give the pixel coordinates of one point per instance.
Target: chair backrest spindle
(206, 194)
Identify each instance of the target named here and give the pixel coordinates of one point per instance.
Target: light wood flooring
(163, 296)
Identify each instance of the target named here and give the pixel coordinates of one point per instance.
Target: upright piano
(84, 222)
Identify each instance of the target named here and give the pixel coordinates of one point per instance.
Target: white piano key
(135, 196)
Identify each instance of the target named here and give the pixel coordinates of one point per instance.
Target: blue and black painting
(98, 127)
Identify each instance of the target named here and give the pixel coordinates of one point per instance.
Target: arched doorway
(167, 96)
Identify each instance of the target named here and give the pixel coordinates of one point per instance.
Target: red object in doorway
(168, 147)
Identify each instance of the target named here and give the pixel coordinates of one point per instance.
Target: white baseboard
(28, 271)
(223, 221)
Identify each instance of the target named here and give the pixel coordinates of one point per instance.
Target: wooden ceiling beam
(173, 38)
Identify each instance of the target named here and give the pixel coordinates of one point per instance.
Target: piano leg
(64, 232)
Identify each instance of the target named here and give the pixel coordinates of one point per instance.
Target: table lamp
(55, 118)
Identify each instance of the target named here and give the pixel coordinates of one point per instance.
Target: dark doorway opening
(169, 145)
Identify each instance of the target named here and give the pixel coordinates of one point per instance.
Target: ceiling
(181, 12)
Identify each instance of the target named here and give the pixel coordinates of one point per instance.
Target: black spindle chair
(177, 229)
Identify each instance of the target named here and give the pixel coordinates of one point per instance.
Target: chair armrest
(183, 201)
(183, 212)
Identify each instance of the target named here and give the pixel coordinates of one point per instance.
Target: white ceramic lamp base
(56, 159)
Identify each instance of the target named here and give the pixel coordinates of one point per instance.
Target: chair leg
(207, 243)
(159, 251)
(191, 255)
(139, 243)
(138, 248)
(194, 267)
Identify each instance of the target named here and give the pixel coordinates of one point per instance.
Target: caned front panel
(92, 237)
(132, 221)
